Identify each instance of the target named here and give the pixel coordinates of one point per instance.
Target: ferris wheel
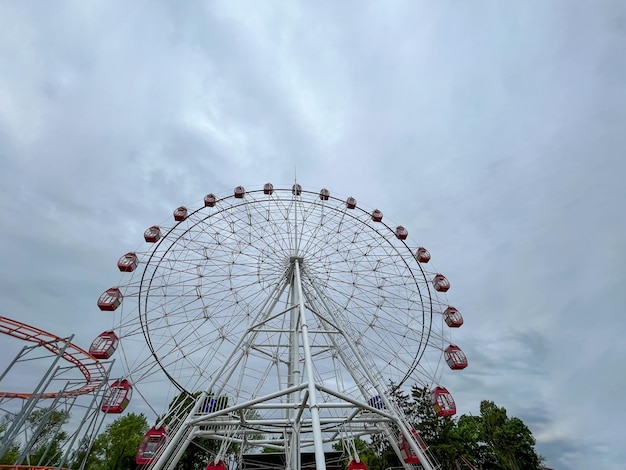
(277, 299)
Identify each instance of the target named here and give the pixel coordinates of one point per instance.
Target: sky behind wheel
(491, 132)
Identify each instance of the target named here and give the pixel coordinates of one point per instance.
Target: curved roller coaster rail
(93, 371)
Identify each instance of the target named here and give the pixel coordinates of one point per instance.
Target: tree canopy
(491, 440)
(11, 454)
(116, 447)
(44, 438)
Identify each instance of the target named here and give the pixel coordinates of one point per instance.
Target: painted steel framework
(289, 315)
(61, 389)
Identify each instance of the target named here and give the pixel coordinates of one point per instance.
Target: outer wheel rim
(320, 270)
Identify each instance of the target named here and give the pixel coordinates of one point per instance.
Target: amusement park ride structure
(287, 318)
(72, 379)
(290, 317)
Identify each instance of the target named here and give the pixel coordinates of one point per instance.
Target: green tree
(47, 436)
(438, 432)
(83, 453)
(467, 431)
(491, 440)
(11, 454)
(43, 441)
(508, 442)
(116, 448)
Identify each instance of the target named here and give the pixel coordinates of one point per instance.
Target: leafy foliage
(82, 457)
(116, 448)
(43, 441)
(491, 440)
(363, 449)
(509, 444)
(13, 452)
(47, 436)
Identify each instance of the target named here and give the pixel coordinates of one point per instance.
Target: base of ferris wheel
(313, 419)
(306, 428)
(304, 415)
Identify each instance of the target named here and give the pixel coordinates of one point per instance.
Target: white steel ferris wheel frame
(305, 411)
(301, 397)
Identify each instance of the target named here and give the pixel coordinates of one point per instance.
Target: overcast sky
(494, 131)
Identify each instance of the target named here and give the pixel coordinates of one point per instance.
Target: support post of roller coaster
(32, 439)
(21, 417)
(93, 425)
(57, 431)
(12, 363)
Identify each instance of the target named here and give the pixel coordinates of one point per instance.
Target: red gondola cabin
(377, 215)
(422, 255)
(401, 232)
(104, 345)
(407, 451)
(110, 299)
(180, 214)
(268, 188)
(150, 445)
(440, 283)
(354, 465)
(452, 317)
(240, 192)
(442, 401)
(152, 234)
(324, 194)
(117, 397)
(296, 190)
(350, 203)
(128, 262)
(216, 466)
(209, 200)
(455, 358)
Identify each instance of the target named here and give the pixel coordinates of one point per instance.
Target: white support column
(292, 444)
(399, 419)
(320, 458)
(183, 433)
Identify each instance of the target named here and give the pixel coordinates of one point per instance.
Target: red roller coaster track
(92, 370)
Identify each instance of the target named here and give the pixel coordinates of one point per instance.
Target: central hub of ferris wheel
(293, 260)
(275, 353)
